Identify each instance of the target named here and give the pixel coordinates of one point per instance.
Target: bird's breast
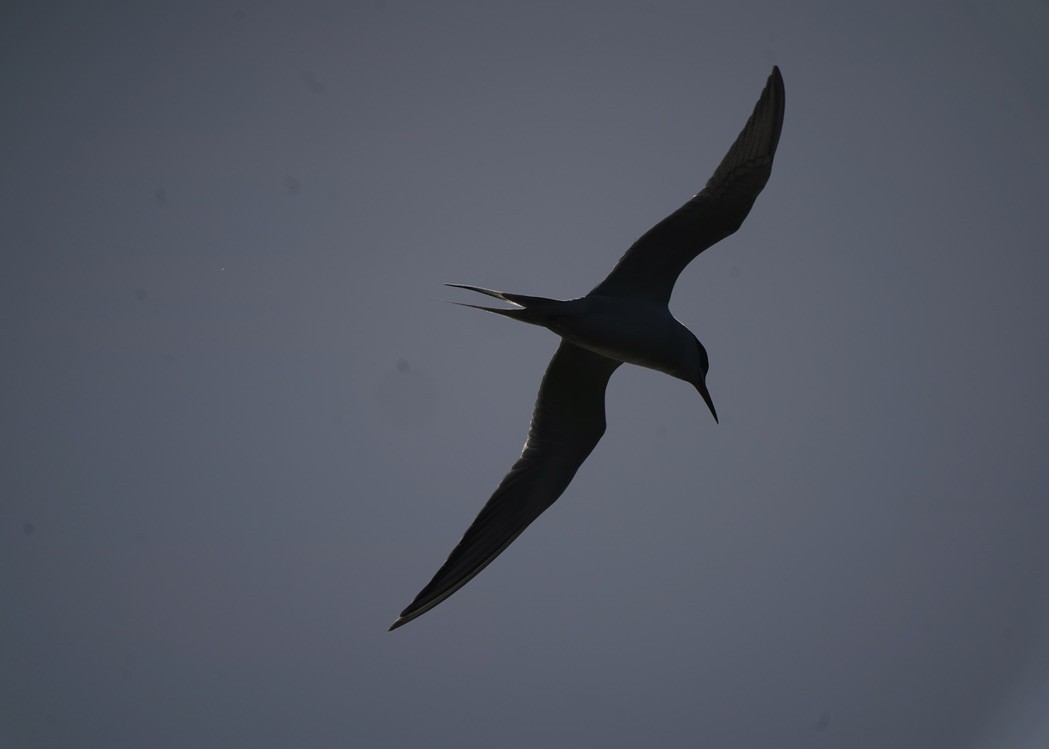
(627, 330)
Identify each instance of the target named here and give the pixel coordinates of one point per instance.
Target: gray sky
(238, 434)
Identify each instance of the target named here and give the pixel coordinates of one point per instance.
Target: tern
(623, 319)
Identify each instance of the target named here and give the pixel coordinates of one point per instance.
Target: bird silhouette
(623, 319)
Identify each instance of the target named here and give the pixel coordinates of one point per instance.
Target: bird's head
(699, 376)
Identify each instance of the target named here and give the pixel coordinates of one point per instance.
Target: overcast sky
(238, 434)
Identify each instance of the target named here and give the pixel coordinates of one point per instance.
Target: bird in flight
(623, 319)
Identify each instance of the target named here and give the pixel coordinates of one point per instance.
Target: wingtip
(775, 81)
(776, 78)
(403, 618)
(412, 612)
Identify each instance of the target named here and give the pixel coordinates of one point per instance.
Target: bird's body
(630, 330)
(624, 319)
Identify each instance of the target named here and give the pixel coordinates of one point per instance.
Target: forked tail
(531, 309)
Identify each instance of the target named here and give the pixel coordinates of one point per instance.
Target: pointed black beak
(702, 388)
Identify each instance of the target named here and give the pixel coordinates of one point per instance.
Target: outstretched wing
(651, 266)
(568, 421)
